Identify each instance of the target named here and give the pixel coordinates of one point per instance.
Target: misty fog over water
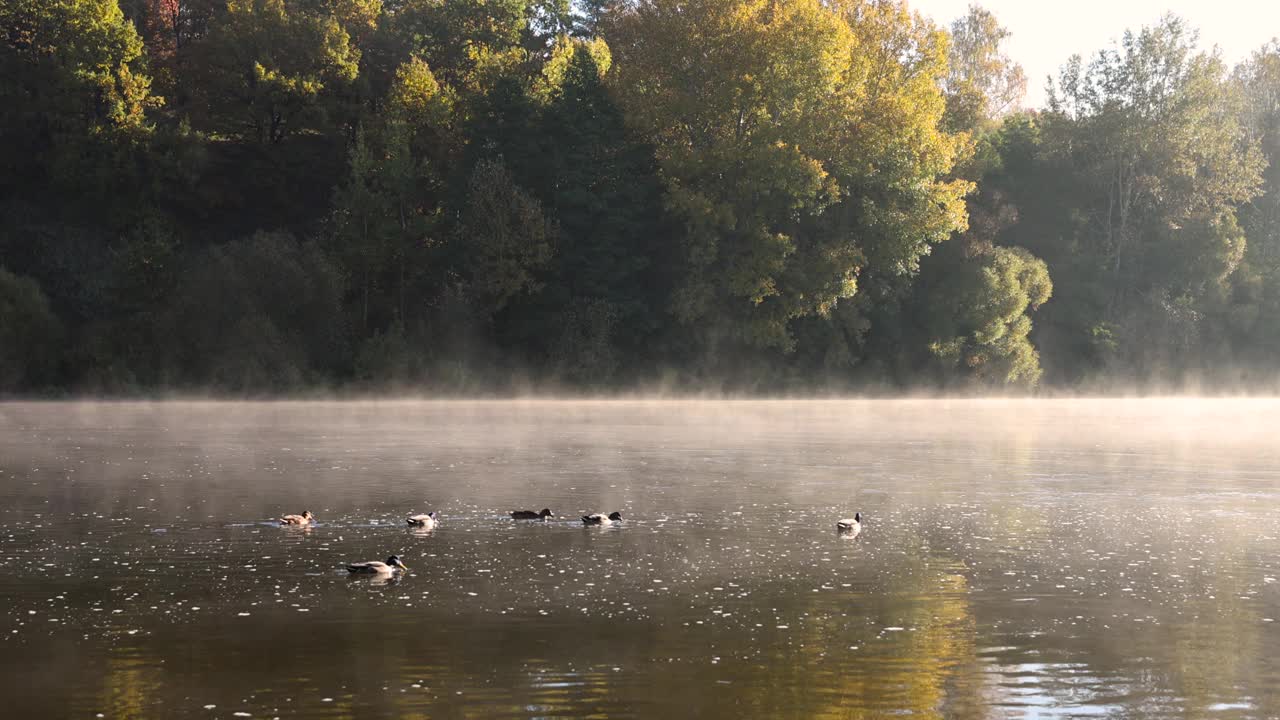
(1020, 558)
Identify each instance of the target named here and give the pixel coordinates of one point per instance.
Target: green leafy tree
(970, 307)
(30, 334)
(1247, 319)
(982, 82)
(1149, 138)
(977, 321)
(801, 147)
(170, 29)
(74, 95)
(601, 186)
(753, 193)
(422, 110)
(459, 38)
(129, 338)
(259, 314)
(386, 211)
(604, 292)
(364, 224)
(269, 67)
(504, 241)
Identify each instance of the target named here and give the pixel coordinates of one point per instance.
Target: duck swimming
(374, 567)
(427, 521)
(306, 518)
(530, 515)
(851, 526)
(601, 519)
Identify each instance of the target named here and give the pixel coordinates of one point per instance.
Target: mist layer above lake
(1018, 559)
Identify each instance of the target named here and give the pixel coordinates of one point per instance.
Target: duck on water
(427, 521)
(375, 567)
(531, 515)
(306, 518)
(850, 526)
(602, 519)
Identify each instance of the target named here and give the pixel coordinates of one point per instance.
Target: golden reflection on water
(129, 685)
(928, 671)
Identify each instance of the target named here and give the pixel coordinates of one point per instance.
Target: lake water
(1021, 559)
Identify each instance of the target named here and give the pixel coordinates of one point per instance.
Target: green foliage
(30, 334)
(971, 307)
(74, 94)
(801, 145)
(269, 66)
(460, 37)
(978, 325)
(417, 101)
(982, 82)
(582, 58)
(144, 266)
(601, 184)
(386, 357)
(755, 194)
(259, 314)
(1248, 314)
(359, 18)
(1129, 189)
(586, 351)
(504, 239)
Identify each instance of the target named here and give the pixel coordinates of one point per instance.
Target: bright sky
(1045, 34)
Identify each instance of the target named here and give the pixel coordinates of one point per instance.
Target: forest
(758, 196)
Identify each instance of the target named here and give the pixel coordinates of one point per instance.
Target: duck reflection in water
(377, 580)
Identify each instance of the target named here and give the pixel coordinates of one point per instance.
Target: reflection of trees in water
(1150, 608)
(926, 670)
(1216, 658)
(565, 666)
(839, 662)
(596, 667)
(1190, 646)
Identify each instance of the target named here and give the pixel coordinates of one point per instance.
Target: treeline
(754, 195)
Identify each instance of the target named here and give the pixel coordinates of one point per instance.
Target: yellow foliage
(809, 129)
(562, 52)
